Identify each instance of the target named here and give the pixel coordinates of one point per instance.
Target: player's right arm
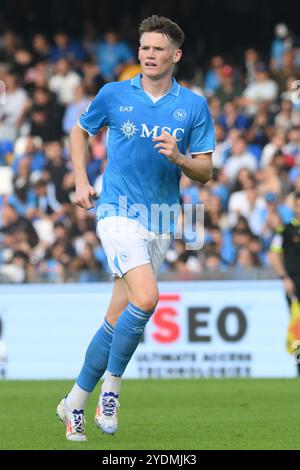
(95, 116)
(79, 148)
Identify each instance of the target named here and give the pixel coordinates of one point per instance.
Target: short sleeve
(96, 114)
(202, 138)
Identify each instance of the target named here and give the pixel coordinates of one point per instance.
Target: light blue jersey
(138, 180)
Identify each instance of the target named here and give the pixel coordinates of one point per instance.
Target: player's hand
(289, 287)
(168, 146)
(84, 196)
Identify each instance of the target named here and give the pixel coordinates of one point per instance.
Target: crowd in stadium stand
(255, 105)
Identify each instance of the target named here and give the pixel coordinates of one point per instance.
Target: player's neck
(157, 87)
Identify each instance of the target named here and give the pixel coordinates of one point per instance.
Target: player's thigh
(142, 287)
(157, 250)
(118, 302)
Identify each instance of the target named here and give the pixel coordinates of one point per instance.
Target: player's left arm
(198, 168)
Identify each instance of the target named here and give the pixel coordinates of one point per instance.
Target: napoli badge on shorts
(124, 256)
(179, 114)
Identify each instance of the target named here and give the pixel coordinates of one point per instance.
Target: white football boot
(107, 413)
(74, 422)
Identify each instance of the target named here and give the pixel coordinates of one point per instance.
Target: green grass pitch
(160, 414)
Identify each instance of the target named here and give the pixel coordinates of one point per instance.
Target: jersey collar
(174, 90)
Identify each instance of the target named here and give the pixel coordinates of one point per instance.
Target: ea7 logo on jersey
(126, 108)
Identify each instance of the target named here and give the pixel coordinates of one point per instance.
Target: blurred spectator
(245, 203)
(54, 268)
(281, 43)
(12, 110)
(215, 107)
(262, 212)
(23, 60)
(251, 58)
(75, 108)
(293, 142)
(17, 231)
(22, 170)
(86, 266)
(268, 180)
(57, 171)
(276, 144)
(240, 158)
(291, 93)
(262, 90)
(64, 48)
(188, 263)
(64, 82)
(113, 55)
(92, 79)
(89, 39)
(222, 148)
(30, 149)
(45, 201)
(288, 69)
(256, 248)
(9, 46)
(258, 134)
(45, 116)
(228, 90)
(15, 271)
(246, 260)
(232, 118)
(22, 199)
(40, 47)
(212, 262)
(213, 213)
(283, 119)
(212, 78)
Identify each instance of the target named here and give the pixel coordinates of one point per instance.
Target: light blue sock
(128, 331)
(96, 358)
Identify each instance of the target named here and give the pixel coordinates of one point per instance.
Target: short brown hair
(161, 24)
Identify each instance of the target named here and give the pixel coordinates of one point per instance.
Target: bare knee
(146, 299)
(142, 288)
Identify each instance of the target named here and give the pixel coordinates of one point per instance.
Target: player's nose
(151, 54)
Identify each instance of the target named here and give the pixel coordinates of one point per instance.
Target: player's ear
(177, 56)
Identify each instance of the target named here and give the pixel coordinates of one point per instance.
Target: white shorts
(127, 244)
